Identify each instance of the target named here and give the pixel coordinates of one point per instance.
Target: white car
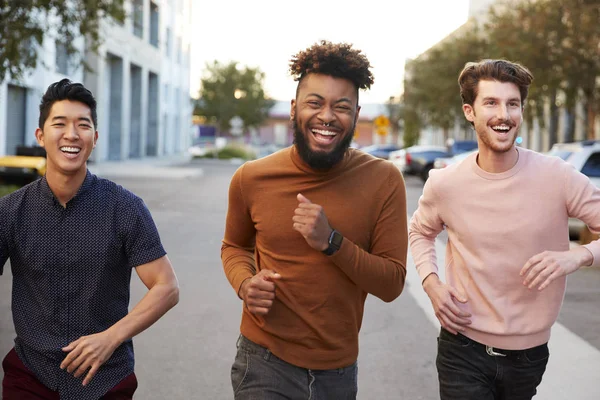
(443, 162)
(585, 157)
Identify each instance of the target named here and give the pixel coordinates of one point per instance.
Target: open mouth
(501, 129)
(323, 136)
(70, 151)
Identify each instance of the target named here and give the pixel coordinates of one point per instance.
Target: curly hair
(339, 60)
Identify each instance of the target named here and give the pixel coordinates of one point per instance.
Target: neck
(65, 187)
(494, 162)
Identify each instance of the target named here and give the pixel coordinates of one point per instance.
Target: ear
(357, 114)
(39, 136)
(292, 109)
(469, 112)
(95, 139)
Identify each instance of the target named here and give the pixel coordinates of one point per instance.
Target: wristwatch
(335, 242)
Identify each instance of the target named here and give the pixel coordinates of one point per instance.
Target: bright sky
(267, 33)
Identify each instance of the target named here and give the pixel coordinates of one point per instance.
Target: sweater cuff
(425, 271)
(239, 279)
(594, 248)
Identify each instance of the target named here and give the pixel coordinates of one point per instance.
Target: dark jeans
(257, 374)
(467, 372)
(21, 384)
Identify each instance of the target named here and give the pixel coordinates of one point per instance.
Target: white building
(140, 79)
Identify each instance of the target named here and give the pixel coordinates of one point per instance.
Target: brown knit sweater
(317, 313)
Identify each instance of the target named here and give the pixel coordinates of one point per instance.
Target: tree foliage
(24, 24)
(229, 90)
(558, 40)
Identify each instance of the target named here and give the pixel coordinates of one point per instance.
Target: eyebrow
(495, 98)
(78, 119)
(342, 100)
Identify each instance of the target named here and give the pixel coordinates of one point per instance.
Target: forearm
(380, 276)
(238, 264)
(423, 252)
(157, 301)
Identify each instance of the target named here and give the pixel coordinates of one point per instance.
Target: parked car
(443, 162)
(461, 146)
(381, 150)
(418, 160)
(26, 166)
(585, 157)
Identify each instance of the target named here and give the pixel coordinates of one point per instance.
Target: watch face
(337, 238)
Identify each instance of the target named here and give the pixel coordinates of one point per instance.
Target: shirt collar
(47, 194)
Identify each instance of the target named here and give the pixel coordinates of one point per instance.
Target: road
(188, 353)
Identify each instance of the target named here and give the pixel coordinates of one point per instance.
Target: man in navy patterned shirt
(73, 239)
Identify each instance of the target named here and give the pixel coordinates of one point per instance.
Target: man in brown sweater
(310, 231)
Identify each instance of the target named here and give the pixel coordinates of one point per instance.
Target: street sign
(381, 121)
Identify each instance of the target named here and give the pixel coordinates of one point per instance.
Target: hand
(258, 292)
(88, 352)
(541, 269)
(310, 220)
(443, 298)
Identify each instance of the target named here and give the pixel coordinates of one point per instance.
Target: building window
(168, 42)
(138, 18)
(154, 24)
(62, 58)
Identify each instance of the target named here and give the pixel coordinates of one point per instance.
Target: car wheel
(425, 172)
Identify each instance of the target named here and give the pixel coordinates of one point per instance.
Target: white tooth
(324, 133)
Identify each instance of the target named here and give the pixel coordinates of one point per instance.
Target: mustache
(508, 122)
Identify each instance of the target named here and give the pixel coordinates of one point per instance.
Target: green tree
(25, 23)
(431, 90)
(228, 90)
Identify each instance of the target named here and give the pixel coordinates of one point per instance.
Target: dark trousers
(21, 384)
(257, 374)
(467, 371)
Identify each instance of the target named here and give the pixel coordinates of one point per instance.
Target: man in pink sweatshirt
(506, 211)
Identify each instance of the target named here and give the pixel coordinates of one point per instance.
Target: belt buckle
(491, 352)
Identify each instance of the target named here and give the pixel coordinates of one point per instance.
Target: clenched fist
(258, 292)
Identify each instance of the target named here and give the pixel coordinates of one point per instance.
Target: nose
(71, 132)
(502, 112)
(326, 115)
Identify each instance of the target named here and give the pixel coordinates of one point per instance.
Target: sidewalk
(174, 166)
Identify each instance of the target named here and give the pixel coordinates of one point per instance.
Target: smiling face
(324, 116)
(69, 136)
(496, 114)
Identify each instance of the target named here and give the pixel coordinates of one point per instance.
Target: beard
(320, 160)
(488, 139)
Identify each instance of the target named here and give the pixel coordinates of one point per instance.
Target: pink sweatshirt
(495, 223)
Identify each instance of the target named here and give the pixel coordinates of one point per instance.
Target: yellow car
(28, 165)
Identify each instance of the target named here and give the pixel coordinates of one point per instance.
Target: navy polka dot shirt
(71, 270)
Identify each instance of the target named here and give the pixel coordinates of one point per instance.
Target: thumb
(268, 275)
(457, 295)
(303, 199)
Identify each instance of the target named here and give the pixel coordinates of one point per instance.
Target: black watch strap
(335, 242)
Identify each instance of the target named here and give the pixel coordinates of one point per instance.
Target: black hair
(66, 90)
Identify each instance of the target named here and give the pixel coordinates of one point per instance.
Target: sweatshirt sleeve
(237, 250)
(583, 202)
(381, 271)
(425, 225)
